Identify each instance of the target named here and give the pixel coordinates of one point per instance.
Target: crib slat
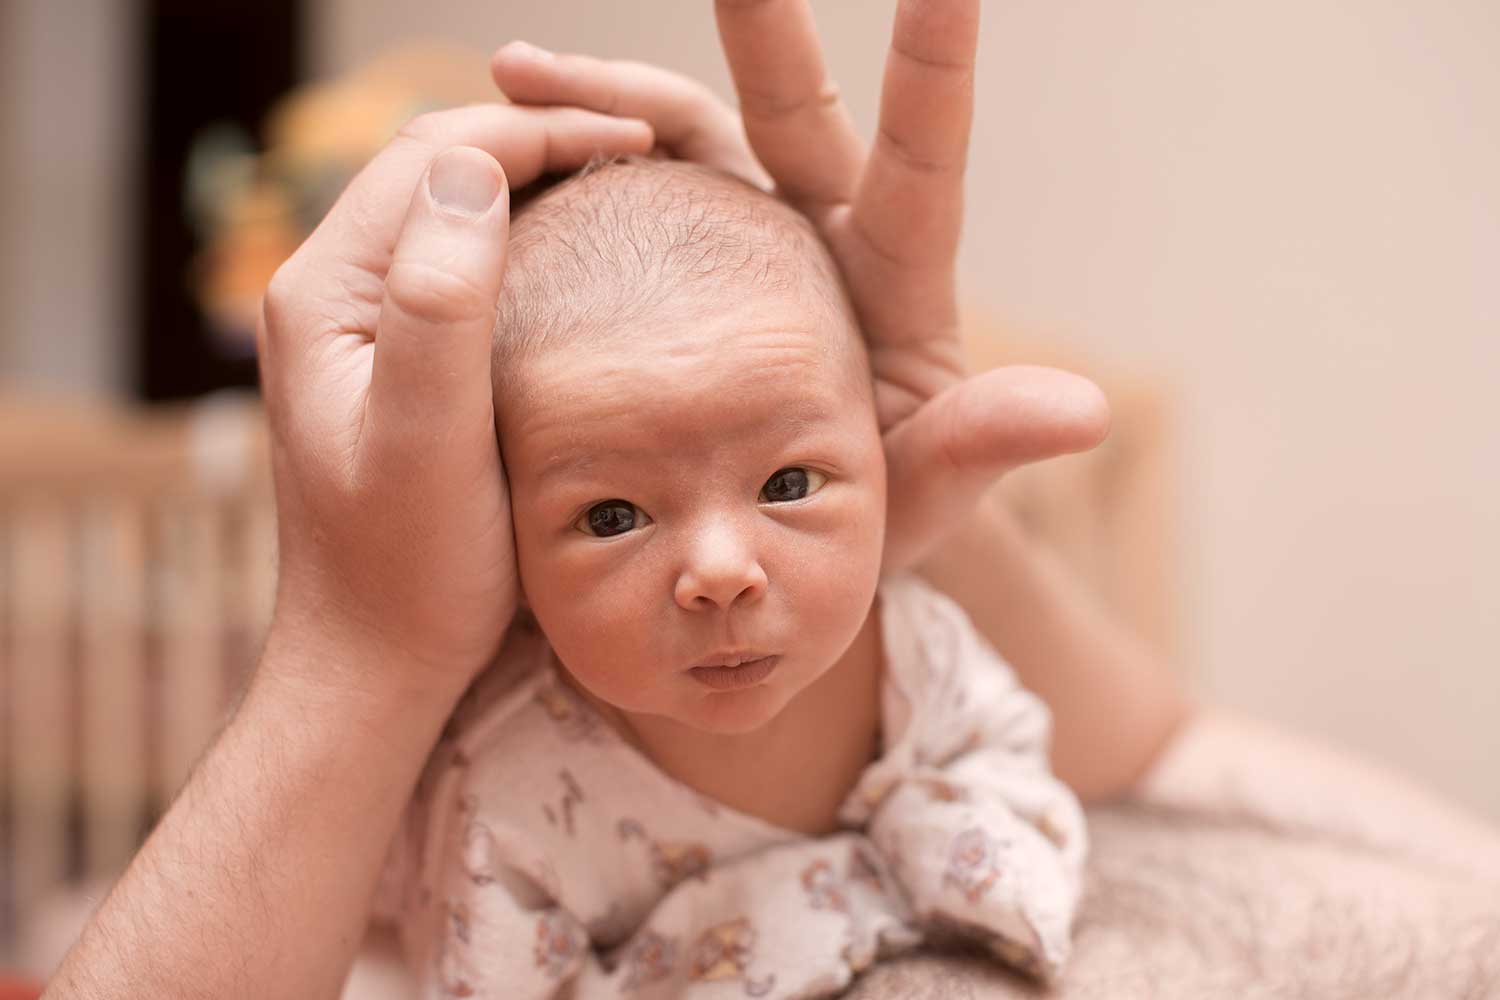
(40, 749)
(8, 866)
(190, 620)
(113, 702)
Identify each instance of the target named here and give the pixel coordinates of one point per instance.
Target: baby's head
(686, 416)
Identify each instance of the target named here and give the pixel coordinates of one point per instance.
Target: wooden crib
(136, 577)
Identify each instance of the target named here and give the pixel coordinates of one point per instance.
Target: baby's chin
(736, 713)
(739, 712)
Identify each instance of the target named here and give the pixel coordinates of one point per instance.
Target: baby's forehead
(723, 396)
(599, 259)
(690, 362)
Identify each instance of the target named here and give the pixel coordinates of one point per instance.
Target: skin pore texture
(697, 480)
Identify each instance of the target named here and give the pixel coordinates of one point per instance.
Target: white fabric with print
(542, 855)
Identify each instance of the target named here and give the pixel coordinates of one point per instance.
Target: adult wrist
(318, 657)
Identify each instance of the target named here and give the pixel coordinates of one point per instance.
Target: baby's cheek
(834, 566)
(600, 621)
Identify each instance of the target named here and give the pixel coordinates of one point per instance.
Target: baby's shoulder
(506, 794)
(947, 688)
(520, 725)
(930, 643)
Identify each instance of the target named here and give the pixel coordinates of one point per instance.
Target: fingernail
(465, 181)
(528, 51)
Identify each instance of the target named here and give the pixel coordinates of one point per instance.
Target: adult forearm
(1114, 703)
(258, 881)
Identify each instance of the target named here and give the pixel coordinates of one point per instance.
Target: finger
(795, 120)
(526, 142)
(688, 119)
(901, 235)
(917, 160)
(334, 284)
(943, 458)
(430, 387)
(902, 305)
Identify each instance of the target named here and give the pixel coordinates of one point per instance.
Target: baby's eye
(791, 484)
(611, 517)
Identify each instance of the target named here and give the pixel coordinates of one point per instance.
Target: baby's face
(711, 492)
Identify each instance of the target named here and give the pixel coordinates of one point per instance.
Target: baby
(720, 755)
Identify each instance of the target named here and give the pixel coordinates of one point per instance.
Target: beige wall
(67, 99)
(1288, 209)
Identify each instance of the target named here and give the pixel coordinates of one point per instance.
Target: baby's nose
(720, 571)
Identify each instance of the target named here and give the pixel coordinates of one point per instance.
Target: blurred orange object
(317, 137)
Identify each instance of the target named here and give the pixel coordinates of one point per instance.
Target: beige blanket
(1254, 865)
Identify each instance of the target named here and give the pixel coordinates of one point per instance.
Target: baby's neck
(795, 771)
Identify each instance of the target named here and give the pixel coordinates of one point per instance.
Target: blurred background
(1272, 231)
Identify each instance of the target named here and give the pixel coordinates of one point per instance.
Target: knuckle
(780, 104)
(426, 127)
(911, 49)
(908, 153)
(419, 128)
(277, 302)
(947, 426)
(433, 296)
(886, 252)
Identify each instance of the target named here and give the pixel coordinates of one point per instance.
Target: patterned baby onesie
(544, 856)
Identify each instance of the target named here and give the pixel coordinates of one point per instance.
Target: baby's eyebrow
(567, 464)
(572, 462)
(568, 461)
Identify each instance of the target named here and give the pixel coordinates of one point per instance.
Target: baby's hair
(594, 255)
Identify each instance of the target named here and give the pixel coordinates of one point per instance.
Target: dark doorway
(207, 66)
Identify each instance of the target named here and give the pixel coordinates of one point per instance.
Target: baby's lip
(735, 672)
(731, 658)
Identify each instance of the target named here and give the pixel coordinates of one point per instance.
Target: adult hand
(396, 580)
(891, 215)
(395, 534)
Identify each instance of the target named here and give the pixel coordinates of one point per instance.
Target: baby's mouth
(734, 671)
(731, 659)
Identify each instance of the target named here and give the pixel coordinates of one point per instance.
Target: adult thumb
(943, 458)
(431, 377)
